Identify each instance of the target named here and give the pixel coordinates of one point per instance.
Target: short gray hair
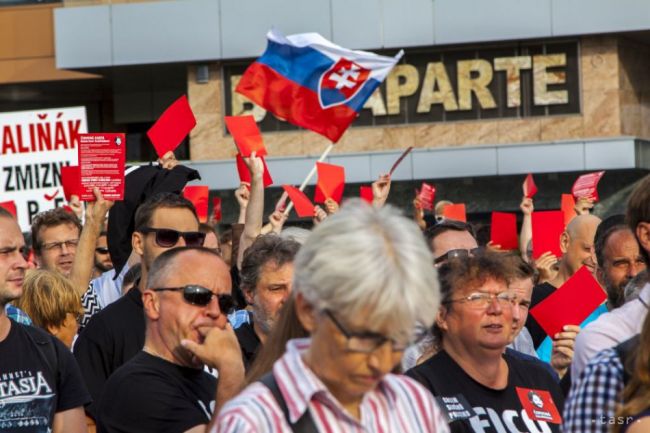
(375, 262)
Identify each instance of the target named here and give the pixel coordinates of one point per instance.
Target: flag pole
(309, 176)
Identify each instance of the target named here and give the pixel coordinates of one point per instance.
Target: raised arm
(255, 208)
(526, 233)
(380, 190)
(82, 265)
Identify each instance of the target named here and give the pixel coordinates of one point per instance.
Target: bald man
(576, 243)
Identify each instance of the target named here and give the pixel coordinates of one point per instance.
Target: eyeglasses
(481, 300)
(70, 244)
(364, 342)
(167, 238)
(201, 296)
(101, 250)
(456, 254)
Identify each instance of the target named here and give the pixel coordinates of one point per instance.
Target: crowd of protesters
(135, 317)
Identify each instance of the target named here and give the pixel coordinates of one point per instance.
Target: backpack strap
(626, 351)
(304, 424)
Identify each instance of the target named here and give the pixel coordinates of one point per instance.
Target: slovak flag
(311, 82)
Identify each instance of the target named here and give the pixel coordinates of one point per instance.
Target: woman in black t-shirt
(481, 388)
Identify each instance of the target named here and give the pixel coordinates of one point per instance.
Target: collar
(644, 296)
(299, 385)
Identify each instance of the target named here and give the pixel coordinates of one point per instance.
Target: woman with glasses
(481, 387)
(361, 282)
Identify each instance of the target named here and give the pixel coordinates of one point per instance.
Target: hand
(418, 213)
(584, 205)
(168, 160)
(319, 215)
(242, 194)
(380, 190)
(96, 210)
(526, 206)
(255, 166)
(545, 265)
(331, 206)
(220, 348)
(495, 248)
(277, 220)
(76, 206)
(563, 343)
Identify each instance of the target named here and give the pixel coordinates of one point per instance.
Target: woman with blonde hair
(635, 410)
(52, 303)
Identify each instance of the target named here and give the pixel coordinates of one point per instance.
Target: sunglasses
(167, 238)
(202, 296)
(456, 254)
(101, 250)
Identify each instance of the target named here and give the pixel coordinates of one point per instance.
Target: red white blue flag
(311, 82)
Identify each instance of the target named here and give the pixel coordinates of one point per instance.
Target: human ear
(137, 243)
(151, 302)
(564, 242)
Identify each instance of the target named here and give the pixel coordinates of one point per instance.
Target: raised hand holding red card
(246, 134)
(571, 304)
(331, 182)
(547, 228)
(245, 175)
(586, 185)
(304, 207)
(101, 165)
(529, 187)
(172, 126)
(503, 230)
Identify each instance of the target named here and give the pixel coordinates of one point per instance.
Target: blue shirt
(17, 315)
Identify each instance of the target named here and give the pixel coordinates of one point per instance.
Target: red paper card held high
(427, 195)
(571, 304)
(172, 126)
(547, 228)
(585, 185)
(216, 208)
(365, 192)
(331, 181)
(101, 164)
(71, 181)
(246, 134)
(198, 195)
(304, 207)
(455, 212)
(530, 189)
(503, 230)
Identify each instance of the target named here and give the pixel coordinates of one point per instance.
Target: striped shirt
(396, 404)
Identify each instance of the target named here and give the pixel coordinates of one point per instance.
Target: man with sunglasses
(41, 388)
(103, 261)
(450, 239)
(164, 388)
(116, 334)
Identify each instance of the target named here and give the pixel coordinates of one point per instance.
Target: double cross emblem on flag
(341, 83)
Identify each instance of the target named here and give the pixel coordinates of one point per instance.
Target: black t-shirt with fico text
(480, 409)
(36, 383)
(150, 394)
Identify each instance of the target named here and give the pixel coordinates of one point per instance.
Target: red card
(400, 159)
(539, 405)
(216, 208)
(9, 206)
(71, 181)
(568, 208)
(503, 230)
(331, 181)
(304, 207)
(198, 195)
(455, 212)
(246, 134)
(172, 127)
(571, 304)
(547, 228)
(585, 185)
(101, 163)
(427, 194)
(530, 189)
(245, 175)
(366, 193)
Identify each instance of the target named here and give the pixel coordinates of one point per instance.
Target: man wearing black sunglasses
(103, 261)
(116, 334)
(164, 387)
